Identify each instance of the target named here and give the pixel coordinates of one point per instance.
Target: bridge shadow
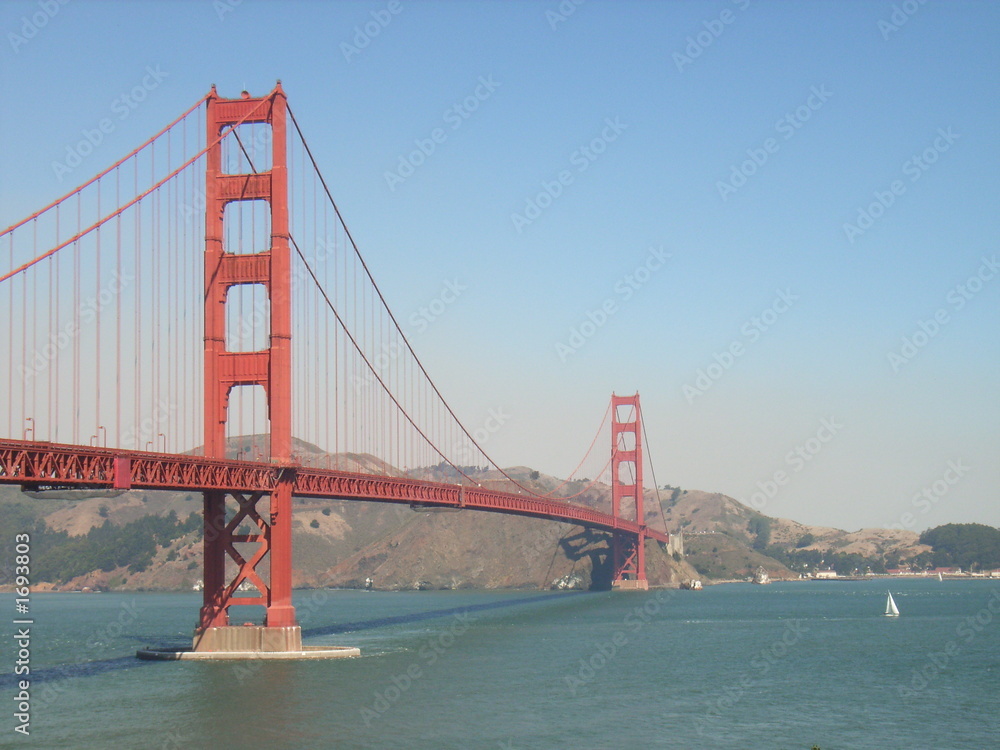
(98, 667)
(77, 669)
(593, 545)
(381, 622)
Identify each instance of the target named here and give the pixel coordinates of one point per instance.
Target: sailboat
(890, 607)
(940, 577)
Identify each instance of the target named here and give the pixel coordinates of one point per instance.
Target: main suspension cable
(395, 322)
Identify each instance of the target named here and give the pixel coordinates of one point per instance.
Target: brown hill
(341, 543)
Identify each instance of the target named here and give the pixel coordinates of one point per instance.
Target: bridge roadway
(49, 465)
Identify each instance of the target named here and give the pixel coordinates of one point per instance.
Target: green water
(782, 666)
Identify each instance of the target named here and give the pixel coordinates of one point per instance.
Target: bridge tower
(270, 368)
(628, 551)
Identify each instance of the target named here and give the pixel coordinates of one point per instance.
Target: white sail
(890, 607)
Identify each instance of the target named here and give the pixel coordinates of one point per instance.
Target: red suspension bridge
(177, 319)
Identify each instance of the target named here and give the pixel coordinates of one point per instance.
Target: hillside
(341, 543)
(753, 539)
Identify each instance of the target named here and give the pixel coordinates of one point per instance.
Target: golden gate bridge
(175, 320)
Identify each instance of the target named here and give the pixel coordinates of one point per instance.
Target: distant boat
(940, 577)
(890, 607)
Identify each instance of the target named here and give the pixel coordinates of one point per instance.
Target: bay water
(787, 665)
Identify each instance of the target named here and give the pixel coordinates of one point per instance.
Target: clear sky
(739, 209)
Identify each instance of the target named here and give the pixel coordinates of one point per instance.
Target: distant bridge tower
(628, 551)
(270, 368)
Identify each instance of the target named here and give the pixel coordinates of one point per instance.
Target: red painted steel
(123, 473)
(626, 458)
(51, 465)
(270, 368)
(248, 485)
(110, 169)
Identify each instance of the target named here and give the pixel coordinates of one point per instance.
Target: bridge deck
(51, 464)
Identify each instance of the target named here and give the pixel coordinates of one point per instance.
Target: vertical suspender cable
(97, 333)
(118, 315)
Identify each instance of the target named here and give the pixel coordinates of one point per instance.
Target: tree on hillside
(58, 557)
(967, 545)
(760, 528)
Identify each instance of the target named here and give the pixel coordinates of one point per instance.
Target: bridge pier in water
(279, 636)
(270, 368)
(628, 550)
(279, 631)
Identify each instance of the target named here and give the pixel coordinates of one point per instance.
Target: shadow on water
(119, 663)
(80, 669)
(380, 622)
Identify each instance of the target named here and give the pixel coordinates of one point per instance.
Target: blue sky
(700, 94)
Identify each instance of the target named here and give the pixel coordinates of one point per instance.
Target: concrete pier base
(248, 642)
(632, 585)
(247, 638)
(308, 652)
